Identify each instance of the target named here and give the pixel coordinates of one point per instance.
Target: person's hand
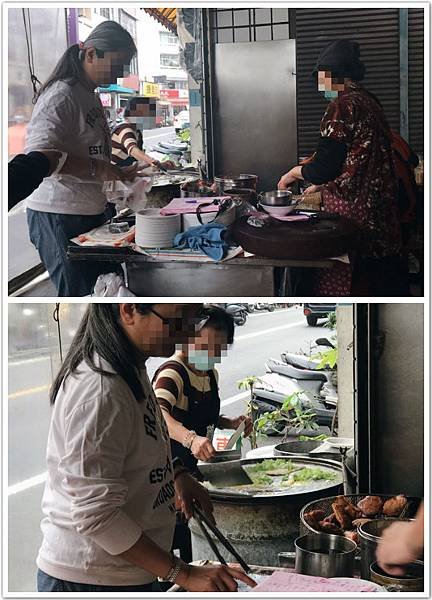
(397, 547)
(168, 164)
(212, 578)
(295, 174)
(105, 171)
(132, 171)
(248, 424)
(286, 181)
(312, 189)
(202, 448)
(189, 490)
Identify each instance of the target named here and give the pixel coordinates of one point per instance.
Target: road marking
(25, 361)
(235, 398)
(29, 391)
(153, 137)
(261, 313)
(21, 486)
(249, 336)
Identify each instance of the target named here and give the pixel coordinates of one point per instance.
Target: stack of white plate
(153, 230)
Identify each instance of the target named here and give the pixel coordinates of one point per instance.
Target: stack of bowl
(278, 203)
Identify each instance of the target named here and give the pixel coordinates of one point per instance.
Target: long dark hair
(108, 36)
(100, 333)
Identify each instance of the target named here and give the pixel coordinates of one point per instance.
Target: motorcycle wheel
(312, 320)
(241, 320)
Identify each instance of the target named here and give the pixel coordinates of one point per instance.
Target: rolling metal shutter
(416, 78)
(377, 32)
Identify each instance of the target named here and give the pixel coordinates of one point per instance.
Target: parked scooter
(320, 382)
(238, 312)
(265, 306)
(315, 387)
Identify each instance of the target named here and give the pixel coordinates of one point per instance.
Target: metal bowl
(244, 180)
(412, 581)
(325, 555)
(277, 198)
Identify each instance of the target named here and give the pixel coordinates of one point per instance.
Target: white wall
(150, 49)
(344, 316)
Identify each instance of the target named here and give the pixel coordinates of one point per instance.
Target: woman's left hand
(188, 490)
(248, 424)
(312, 189)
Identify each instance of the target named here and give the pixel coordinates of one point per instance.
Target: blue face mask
(331, 94)
(201, 360)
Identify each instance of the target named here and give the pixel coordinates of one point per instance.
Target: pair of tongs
(201, 518)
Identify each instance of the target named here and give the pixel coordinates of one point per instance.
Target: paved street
(22, 254)
(264, 335)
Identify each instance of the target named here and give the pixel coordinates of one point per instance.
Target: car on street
(181, 121)
(314, 312)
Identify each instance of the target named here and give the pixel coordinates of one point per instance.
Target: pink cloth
(293, 582)
(183, 206)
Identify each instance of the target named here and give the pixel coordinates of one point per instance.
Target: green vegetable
(261, 479)
(271, 465)
(310, 474)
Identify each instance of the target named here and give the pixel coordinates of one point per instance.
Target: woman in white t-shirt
(111, 491)
(68, 116)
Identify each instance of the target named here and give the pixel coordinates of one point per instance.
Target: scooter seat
(282, 368)
(299, 361)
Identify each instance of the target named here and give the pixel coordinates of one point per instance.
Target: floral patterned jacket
(365, 191)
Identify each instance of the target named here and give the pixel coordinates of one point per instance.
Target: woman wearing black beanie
(353, 169)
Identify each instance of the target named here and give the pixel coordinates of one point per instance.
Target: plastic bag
(128, 194)
(110, 285)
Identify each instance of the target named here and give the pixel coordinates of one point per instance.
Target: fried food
(370, 506)
(352, 511)
(341, 515)
(352, 535)
(394, 506)
(313, 518)
(359, 522)
(330, 519)
(330, 528)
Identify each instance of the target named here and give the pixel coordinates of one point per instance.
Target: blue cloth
(46, 583)
(204, 238)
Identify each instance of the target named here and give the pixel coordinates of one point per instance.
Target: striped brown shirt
(124, 140)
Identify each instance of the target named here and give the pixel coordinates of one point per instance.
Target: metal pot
(226, 182)
(296, 448)
(369, 535)
(260, 526)
(276, 198)
(325, 555)
(191, 190)
(241, 195)
(412, 581)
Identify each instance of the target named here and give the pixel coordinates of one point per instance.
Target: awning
(116, 88)
(166, 17)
